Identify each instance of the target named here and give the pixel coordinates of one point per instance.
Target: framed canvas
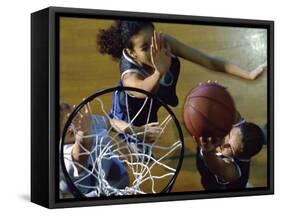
(137, 107)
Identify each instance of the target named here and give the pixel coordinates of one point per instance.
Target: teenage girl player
(225, 163)
(149, 61)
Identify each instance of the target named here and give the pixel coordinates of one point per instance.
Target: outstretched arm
(211, 62)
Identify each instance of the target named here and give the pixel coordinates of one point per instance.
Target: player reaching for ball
(225, 163)
(226, 142)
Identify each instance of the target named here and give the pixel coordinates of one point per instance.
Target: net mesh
(148, 167)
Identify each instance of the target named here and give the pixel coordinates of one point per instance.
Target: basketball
(209, 111)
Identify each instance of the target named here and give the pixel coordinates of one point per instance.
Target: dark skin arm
(149, 84)
(223, 169)
(211, 62)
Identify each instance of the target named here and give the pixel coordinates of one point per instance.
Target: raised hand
(83, 123)
(160, 53)
(83, 142)
(258, 71)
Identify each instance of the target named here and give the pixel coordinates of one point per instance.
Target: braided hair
(118, 36)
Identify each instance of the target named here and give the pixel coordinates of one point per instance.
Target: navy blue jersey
(211, 182)
(125, 106)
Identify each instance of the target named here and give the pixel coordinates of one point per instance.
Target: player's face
(233, 143)
(141, 46)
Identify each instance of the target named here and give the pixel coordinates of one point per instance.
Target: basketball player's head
(244, 141)
(133, 36)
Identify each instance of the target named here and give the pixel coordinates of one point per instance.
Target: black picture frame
(45, 99)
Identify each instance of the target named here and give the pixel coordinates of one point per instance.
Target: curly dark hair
(118, 36)
(252, 138)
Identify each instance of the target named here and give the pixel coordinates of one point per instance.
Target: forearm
(218, 64)
(219, 167)
(149, 84)
(215, 63)
(203, 59)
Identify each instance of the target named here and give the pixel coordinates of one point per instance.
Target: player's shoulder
(128, 65)
(126, 62)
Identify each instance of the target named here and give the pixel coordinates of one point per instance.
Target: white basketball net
(147, 174)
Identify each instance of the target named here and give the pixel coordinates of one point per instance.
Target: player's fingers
(152, 52)
(155, 40)
(74, 106)
(152, 55)
(89, 108)
(161, 41)
(86, 111)
(81, 111)
(151, 48)
(158, 40)
(152, 45)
